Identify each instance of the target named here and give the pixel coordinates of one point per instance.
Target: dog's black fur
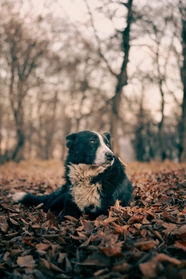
(95, 179)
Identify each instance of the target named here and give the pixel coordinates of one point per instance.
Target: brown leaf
(14, 222)
(158, 235)
(86, 242)
(94, 261)
(143, 233)
(11, 234)
(52, 219)
(36, 226)
(68, 217)
(137, 226)
(169, 217)
(4, 226)
(122, 266)
(111, 251)
(6, 256)
(145, 245)
(165, 258)
(80, 238)
(42, 246)
(26, 261)
(25, 222)
(61, 257)
(110, 219)
(145, 221)
(100, 271)
(39, 206)
(88, 227)
(181, 232)
(120, 229)
(135, 219)
(180, 245)
(150, 268)
(169, 227)
(133, 230)
(28, 241)
(45, 263)
(165, 200)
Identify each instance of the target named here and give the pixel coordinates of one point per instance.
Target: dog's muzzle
(109, 157)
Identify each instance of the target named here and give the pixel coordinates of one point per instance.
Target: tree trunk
(183, 125)
(161, 142)
(183, 79)
(18, 111)
(1, 116)
(160, 125)
(18, 153)
(67, 124)
(115, 121)
(121, 81)
(51, 129)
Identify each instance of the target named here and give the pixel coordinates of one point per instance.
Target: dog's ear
(70, 139)
(107, 135)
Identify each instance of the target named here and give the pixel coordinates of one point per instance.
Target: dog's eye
(92, 141)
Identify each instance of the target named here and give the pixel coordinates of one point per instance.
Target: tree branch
(98, 41)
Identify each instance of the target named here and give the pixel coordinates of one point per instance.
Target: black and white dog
(95, 179)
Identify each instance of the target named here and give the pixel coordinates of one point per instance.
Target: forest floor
(145, 240)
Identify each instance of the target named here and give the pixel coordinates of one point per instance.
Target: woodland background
(115, 66)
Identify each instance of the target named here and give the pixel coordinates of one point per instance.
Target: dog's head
(91, 148)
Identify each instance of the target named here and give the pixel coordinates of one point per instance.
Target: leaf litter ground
(144, 240)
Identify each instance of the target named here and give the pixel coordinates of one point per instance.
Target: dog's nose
(109, 156)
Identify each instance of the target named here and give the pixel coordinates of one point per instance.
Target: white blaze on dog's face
(104, 154)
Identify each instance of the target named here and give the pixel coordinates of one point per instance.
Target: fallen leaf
(180, 245)
(111, 251)
(181, 232)
(42, 246)
(145, 245)
(52, 219)
(150, 268)
(110, 219)
(26, 261)
(135, 219)
(14, 222)
(122, 266)
(4, 226)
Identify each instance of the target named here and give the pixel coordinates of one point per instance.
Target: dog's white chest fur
(83, 191)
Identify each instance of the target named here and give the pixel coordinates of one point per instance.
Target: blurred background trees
(117, 66)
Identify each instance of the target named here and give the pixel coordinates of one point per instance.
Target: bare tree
(122, 76)
(160, 79)
(182, 9)
(156, 23)
(23, 49)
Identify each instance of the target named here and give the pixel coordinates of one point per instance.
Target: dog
(95, 178)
